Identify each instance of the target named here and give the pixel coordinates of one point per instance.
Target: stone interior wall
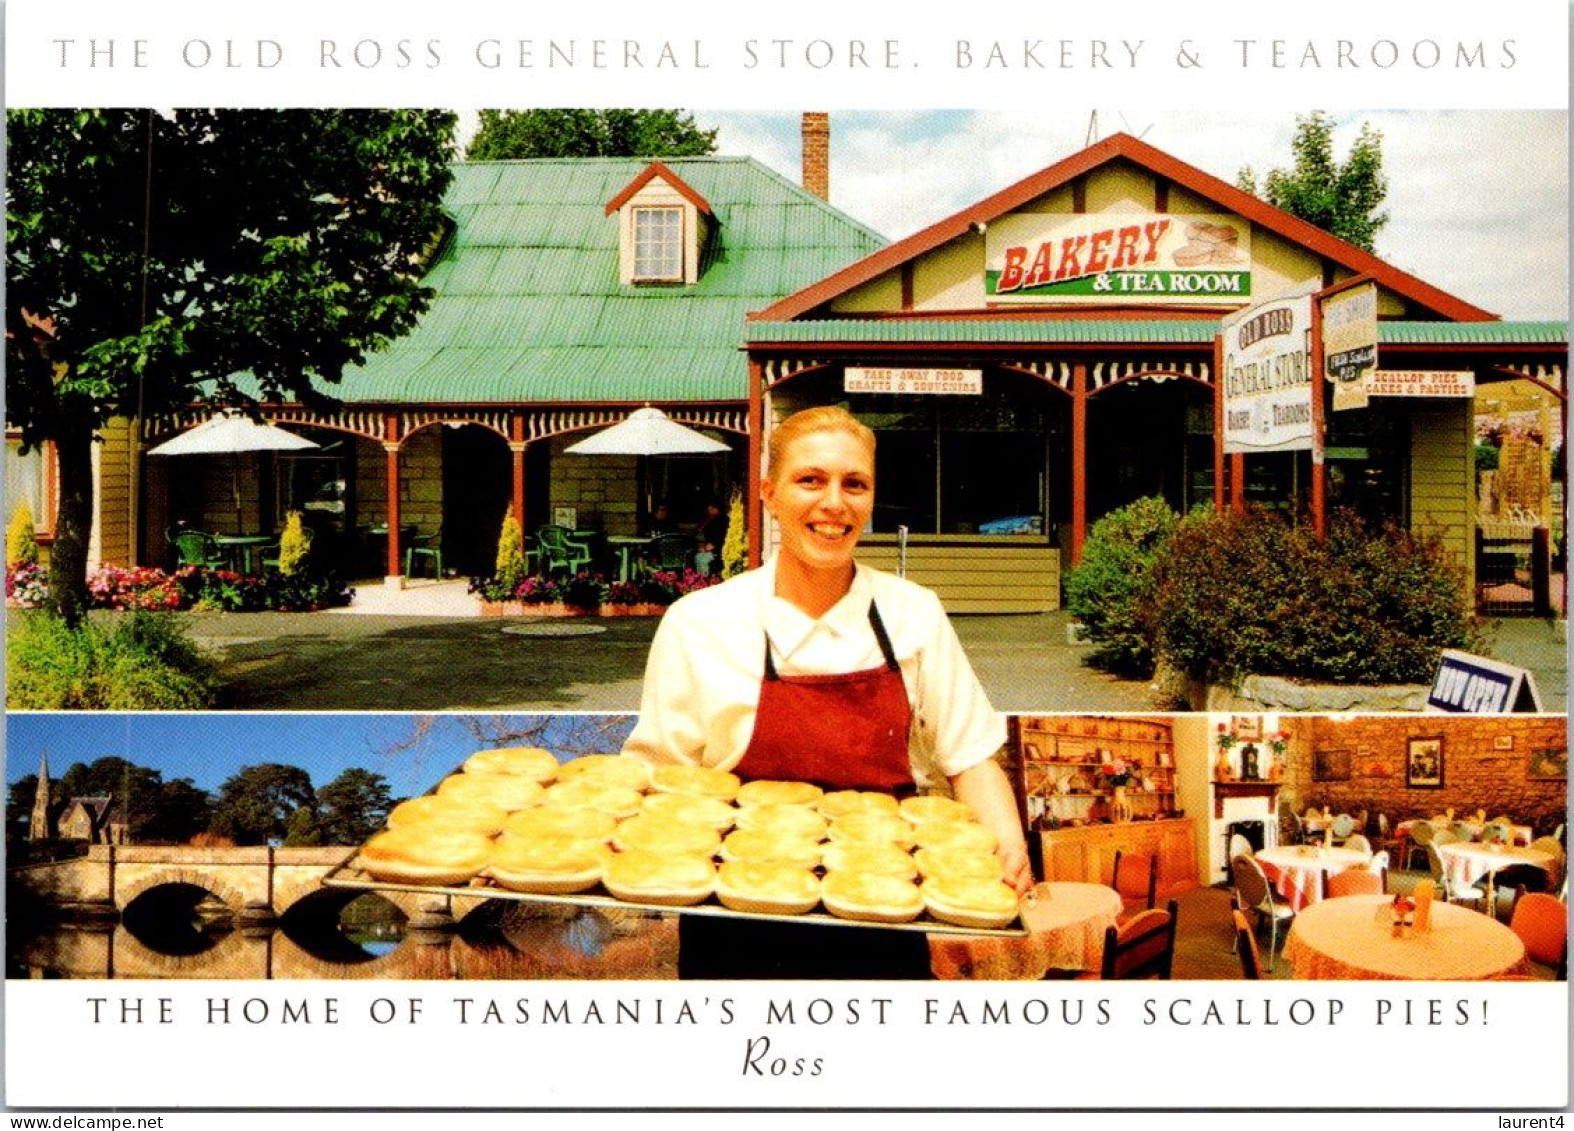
(1476, 775)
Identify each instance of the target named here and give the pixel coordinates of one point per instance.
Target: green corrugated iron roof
(1127, 332)
(529, 307)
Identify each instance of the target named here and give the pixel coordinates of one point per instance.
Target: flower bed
(190, 587)
(587, 594)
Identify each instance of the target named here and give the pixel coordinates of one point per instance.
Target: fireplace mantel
(1225, 789)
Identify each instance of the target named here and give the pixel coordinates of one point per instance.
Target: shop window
(658, 245)
(953, 465)
(30, 477)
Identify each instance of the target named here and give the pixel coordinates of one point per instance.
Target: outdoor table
(1065, 922)
(626, 545)
(1296, 870)
(1352, 938)
(1465, 862)
(239, 549)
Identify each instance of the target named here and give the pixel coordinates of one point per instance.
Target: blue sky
(412, 751)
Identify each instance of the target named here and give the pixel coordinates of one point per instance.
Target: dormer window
(658, 244)
(663, 229)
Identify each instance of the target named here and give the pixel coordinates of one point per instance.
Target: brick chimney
(817, 154)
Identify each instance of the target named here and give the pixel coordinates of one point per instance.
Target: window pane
(658, 243)
(24, 479)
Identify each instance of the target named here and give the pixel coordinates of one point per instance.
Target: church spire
(38, 826)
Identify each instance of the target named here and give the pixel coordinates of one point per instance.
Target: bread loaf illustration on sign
(1208, 244)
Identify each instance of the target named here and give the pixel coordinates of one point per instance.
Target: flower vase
(1120, 806)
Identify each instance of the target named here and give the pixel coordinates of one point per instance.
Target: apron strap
(880, 635)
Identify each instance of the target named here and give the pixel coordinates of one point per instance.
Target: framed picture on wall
(1503, 742)
(1247, 728)
(1331, 765)
(1549, 764)
(1424, 763)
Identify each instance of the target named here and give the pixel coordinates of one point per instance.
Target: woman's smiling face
(822, 494)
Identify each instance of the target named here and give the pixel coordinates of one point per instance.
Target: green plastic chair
(196, 548)
(558, 550)
(672, 551)
(425, 546)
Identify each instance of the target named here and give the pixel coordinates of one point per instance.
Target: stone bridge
(254, 883)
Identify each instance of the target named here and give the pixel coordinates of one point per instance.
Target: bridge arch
(128, 893)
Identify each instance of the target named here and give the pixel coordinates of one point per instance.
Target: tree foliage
(256, 803)
(153, 257)
(510, 134)
(352, 806)
(1340, 197)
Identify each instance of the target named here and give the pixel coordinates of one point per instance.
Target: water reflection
(497, 939)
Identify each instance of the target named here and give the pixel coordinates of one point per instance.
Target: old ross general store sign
(1159, 257)
(1268, 376)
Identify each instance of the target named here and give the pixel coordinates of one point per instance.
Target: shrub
(735, 547)
(20, 546)
(586, 590)
(665, 586)
(1239, 594)
(137, 662)
(294, 546)
(510, 568)
(1110, 589)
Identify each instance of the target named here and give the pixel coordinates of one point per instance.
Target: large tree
(152, 257)
(1342, 197)
(352, 806)
(506, 134)
(257, 803)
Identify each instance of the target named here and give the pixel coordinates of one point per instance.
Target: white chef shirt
(702, 680)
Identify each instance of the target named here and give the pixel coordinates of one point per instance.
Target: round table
(1065, 921)
(1296, 870)
(1352, 938)
(1465, 862)
(625, 545)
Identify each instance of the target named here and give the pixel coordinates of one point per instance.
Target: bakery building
(1048, 354)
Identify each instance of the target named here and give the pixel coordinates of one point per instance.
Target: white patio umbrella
(232, 434)
(647, 432)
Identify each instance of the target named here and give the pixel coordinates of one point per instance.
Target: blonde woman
(816, 668)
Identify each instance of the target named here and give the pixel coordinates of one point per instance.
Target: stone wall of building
(603, 490)
(1486, 765)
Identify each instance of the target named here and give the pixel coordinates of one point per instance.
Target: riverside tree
(154, 257)
(1341, 197)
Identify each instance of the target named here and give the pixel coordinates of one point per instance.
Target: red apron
(845, 731)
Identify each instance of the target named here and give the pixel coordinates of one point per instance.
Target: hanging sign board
(1475, 685)
(1350, 343)
(1268, 377)
(1149, 257)
(1421, 383)
(956, 382)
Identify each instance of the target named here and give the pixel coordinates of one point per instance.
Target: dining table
(1465, 862)
(1296, 870)
(1523, 834)
(1351, 938)
(1065, 923)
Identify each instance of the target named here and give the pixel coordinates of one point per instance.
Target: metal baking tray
(347, 875)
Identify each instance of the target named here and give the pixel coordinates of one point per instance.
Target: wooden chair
(1246, 947)
(1542, 923)
(1343, 826)
(1352, 881)
(1143, 947)
(1254, 894)
(1137, 892)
